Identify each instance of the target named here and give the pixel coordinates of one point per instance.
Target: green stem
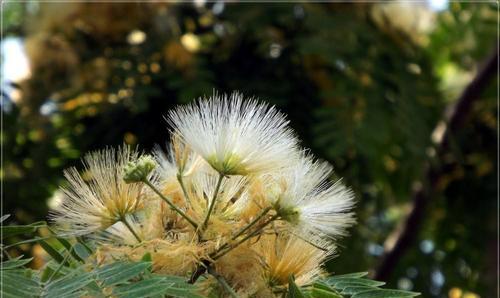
(29, 241)
(212, 203)
(129, 226)
(205, 264)
(183, 187)
(253, 222)
(219, 253)
(247, 227)
(222, 282)
(181, 213)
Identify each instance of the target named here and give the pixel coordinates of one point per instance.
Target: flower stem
(181, 213)
(244, 229)
(222, 282)
(253, 222)
(129, 226)
(212, 202)
(183, 187)
(202, 267)
(219, 253)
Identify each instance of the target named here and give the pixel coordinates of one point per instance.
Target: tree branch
(454, 118)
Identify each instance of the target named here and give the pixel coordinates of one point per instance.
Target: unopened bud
(137, 171)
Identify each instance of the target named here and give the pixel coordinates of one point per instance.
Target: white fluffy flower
(101, 200)
(284, 256)
(315, 207)
(235, 136)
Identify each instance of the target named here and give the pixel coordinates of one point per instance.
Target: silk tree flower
(284, 256)
(315, 207)
(236, 136)
(233, 197)
(94, 204)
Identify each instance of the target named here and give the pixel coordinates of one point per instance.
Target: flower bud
(137, 171)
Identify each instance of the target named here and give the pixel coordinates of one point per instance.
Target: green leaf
(81, 251)
(142, 288)
(94, 290)
(293, 289)
(146, 257)
(52, 251)
(349, 275)
(65, 270)
(68, 286)
(322, 293)
(46, 274)
(322, 285)
(35, 239)
(120, 272)
(15, 263)
(355, 286)
(69, 247)
(156, 286)
(84, 244)
(351, 290)
(341, 283)
(13, 230)
(385, 293)
(15, 283)
(321, 289)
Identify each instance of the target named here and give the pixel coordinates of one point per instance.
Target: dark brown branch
(423, 194)
(199, 271)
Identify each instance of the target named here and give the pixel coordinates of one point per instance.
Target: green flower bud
(137, 171)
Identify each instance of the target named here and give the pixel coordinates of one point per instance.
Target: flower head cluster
(235, 136)
(234, 197)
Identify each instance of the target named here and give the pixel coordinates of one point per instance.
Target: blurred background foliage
(364, 85)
